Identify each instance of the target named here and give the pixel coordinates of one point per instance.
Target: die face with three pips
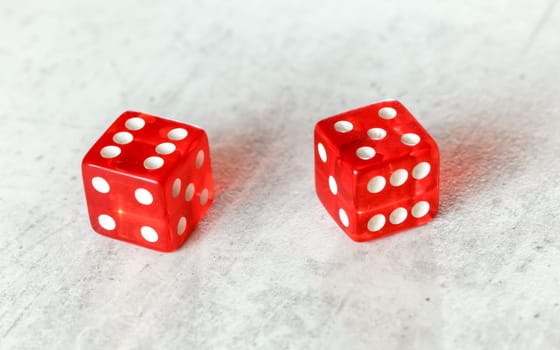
(148, 181)
(376, 170)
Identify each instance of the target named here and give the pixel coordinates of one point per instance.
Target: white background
(268, 268)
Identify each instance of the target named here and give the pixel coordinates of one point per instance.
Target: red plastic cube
(376, 170)
(148, 181)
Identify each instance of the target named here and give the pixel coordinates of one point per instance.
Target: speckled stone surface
(267, 268)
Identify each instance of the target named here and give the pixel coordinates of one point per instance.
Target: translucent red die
(376, 170)
(148, 181)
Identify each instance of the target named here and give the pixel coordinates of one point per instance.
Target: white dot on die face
(135, 123)
(376, 223)
(123, 138)
(421, 170)
(181, 225)
(398, 216)
(376, 133)
(177, 134)
(107, 222)
(387, 113)
(343, 217)
(165, 148)
(199, 159)
(376, 184)
(410, 139)
(420, 209)
(176, 188)
(203, 196)
(322, 152)
(143, 196)
(100, 184)
(110, 151)
(399, 177)
(332, 185)
(365, 152)
(189, 193)
(149, 234)
(343, 126)
(153, 163)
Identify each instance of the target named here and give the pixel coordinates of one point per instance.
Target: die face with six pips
(148, 180)
(376, 170)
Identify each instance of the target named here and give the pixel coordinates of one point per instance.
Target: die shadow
(475, 157)
(240, 159)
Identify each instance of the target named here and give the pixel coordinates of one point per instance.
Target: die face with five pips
(376, 170)
(148, 180)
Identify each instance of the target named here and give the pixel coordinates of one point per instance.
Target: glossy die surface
(376, 170)
(148, 181)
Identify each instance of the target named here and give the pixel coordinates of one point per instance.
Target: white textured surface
(268, 268)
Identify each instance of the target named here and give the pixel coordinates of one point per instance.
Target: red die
(376, 170)
(148, 181)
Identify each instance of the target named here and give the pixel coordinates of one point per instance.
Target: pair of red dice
(148, 180)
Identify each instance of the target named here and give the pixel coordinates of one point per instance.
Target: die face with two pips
(376, 170)
(148, 181)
